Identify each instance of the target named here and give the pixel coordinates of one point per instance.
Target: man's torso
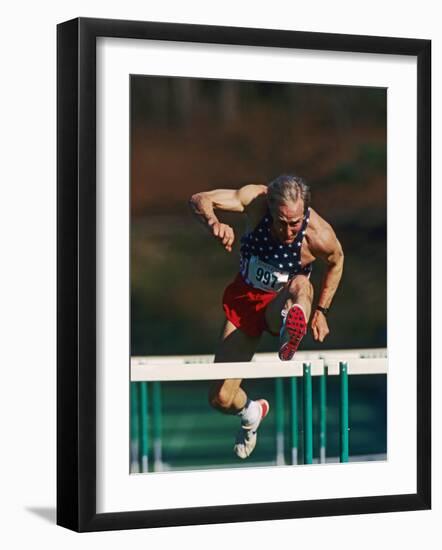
(266, 263)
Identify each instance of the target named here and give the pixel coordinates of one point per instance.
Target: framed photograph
(243, 274)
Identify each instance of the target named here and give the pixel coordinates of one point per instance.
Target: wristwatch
(323, 310)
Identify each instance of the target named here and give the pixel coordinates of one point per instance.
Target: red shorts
(245, 306)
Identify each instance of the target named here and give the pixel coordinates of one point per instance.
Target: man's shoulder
(319, 229)
(257, 204)
(317, 223)
(320, 235)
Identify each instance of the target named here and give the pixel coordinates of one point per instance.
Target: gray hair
(287, 188)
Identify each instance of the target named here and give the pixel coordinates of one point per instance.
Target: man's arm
(203, 206)
(326, 246)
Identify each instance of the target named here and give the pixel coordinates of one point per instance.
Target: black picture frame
(77, 288)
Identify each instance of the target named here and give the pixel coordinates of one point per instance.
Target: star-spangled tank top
(267, 264)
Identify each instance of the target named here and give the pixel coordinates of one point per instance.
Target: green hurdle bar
(134, 430)
(157, 426)
(279, 420)
(308, 414)
(139, 427)
(323, 416)
(144, 427)
(343, 412)
(294, 419)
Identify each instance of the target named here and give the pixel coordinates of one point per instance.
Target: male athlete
(272, 290)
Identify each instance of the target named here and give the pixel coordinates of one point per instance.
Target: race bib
(265, 276)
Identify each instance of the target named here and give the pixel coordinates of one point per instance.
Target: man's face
(287, 220)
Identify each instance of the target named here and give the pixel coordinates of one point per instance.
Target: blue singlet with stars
(261, 243)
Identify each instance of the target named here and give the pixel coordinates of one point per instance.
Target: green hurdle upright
(134, 429)
(343, 412)
(294, 419)
(308, 414)
(139, 427)
(323, 416)
(279, 421)
(157, 426)
(144, 427)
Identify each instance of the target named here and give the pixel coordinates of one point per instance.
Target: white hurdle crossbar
(161, 369)
(147, 371)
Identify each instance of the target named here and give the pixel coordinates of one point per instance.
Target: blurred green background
(190, 135)
(194, 436)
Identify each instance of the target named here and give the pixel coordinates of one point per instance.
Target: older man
(272, 291)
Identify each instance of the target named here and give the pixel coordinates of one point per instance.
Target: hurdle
(147, 374)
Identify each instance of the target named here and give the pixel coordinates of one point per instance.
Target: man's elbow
(336, 260)
(340, 260)
(341, 255)
(195, 201)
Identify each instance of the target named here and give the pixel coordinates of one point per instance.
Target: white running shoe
(246, 437)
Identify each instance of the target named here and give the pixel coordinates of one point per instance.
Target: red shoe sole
(296, 327)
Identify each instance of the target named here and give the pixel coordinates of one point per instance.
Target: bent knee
(221, 398)
(299, 284)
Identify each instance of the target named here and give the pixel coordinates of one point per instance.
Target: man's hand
(224, 233)
(319, 326)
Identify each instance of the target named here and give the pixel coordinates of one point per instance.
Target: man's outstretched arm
(203, 206)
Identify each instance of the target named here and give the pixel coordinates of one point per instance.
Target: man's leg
(228, 397)
(235, 346)
(291, 308)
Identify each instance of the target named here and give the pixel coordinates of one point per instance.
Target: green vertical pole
(157, 427)
(343, 412)
(308, 414)
(323, 416)
(294, 418)
(134, 429)
(279, 398)
(144, 427)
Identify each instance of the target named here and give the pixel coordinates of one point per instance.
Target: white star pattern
(260, 243)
